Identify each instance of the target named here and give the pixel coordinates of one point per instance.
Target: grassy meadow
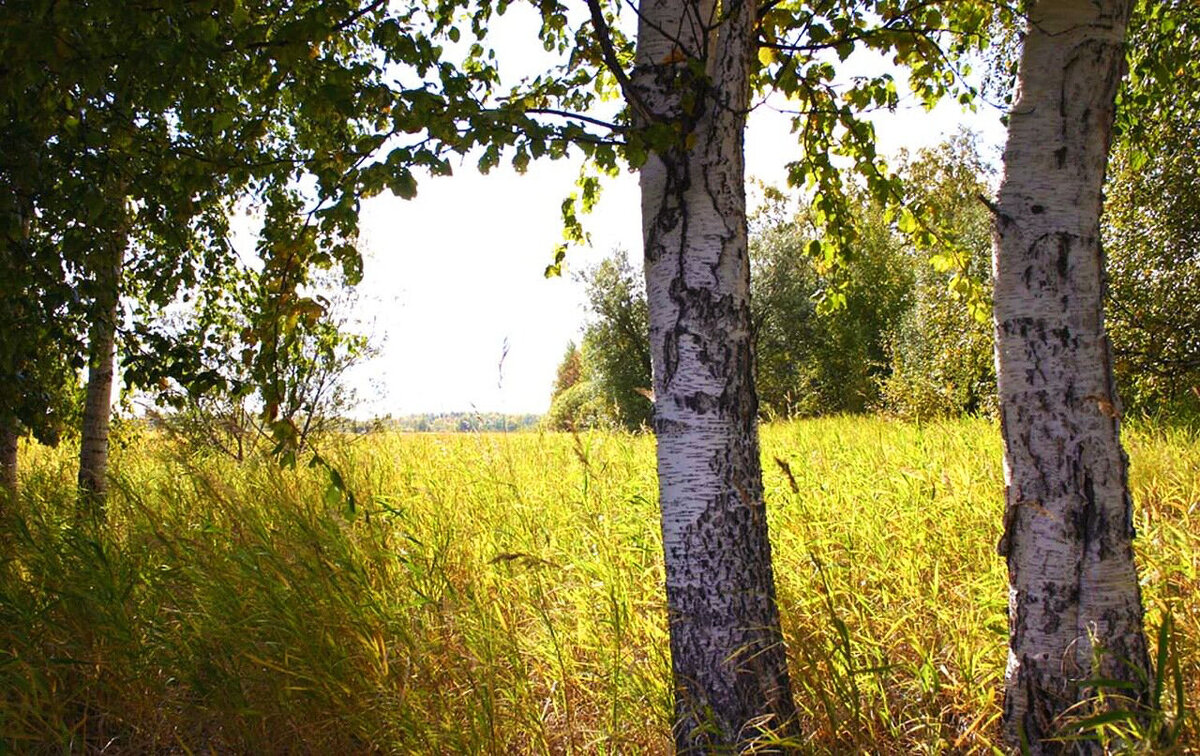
(498, 594)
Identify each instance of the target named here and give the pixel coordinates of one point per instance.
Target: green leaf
(403, 184)
(554, 269)
(520, 160)
(942, 263)
(221, 122)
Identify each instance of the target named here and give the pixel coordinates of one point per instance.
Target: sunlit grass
(502, 594)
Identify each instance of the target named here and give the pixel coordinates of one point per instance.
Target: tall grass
(502, 594)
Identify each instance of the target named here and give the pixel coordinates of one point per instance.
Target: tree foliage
(906, 337)
(615, 342)
(940, 349)
(577, 401)
(1152, 217)
(138, 129)
(815, 359)
(217, 345)
(570, 370)
(812, 359)
(1152, 233)
(584, 100)
(606, 380)
(42, 378)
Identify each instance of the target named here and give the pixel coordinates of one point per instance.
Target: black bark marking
(1064, 256)
(1063, 334)
(1094, 522)
(1052, 623)
(670, 356)
(699, 402)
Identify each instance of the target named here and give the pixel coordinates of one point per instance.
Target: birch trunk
(1073, 587)
(97, 408)
(727, 653)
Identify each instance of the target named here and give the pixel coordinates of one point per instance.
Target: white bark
(1068, 521)
(97, 407)
(727, 652)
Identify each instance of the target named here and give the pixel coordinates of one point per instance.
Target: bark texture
(1073, 588)
(97, 408)
(729, 661)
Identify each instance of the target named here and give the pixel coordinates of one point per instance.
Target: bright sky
(453, 279)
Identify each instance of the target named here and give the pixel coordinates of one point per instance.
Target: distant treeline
(458, 422)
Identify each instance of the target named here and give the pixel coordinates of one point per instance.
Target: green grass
(502, 594)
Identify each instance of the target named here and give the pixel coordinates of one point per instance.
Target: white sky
(454, 277)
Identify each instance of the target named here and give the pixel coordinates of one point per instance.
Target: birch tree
(105, 263)
(1075, 612)
(692, 75)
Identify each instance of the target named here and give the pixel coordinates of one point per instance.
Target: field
(502, 594)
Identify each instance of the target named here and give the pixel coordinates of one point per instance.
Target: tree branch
(576, 117)
(604, 37)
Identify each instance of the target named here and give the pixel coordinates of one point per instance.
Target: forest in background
(911, 335)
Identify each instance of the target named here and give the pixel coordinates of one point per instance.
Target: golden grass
(502, 594)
